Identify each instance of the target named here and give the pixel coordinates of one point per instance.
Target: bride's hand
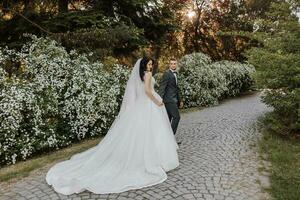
(160, 104)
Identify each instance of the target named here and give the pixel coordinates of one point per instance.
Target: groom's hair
(173, 59)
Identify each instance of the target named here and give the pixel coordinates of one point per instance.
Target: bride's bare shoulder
(147, 74)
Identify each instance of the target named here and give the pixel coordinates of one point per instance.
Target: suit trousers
(174, 116)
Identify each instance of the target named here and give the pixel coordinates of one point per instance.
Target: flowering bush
(57, 98)
(3, 75)
(200, 83)
(237, 75)
(203, 82)
(52, 97)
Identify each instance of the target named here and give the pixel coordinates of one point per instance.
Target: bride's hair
(143, 66)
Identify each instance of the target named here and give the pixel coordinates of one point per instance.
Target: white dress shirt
(173, 71)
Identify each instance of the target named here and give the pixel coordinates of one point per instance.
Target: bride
(136, 152)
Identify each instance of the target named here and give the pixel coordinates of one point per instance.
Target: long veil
(136, 152)
(132, 89)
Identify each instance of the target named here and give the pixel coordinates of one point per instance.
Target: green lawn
(22, 169)
(284, 155)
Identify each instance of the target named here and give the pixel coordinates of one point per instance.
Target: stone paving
(218, 160)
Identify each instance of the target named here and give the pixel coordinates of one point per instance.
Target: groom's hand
(181, 104)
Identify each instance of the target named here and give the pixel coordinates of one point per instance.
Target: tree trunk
(29, 6)
(197, 25)
(63, 6)
(157, 52)
(5, 6)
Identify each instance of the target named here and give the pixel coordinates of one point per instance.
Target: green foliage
(120, 40)
(53, 97)
(283, 154)
(285, 119)
(238, 76)
(278, 65)
(200, 83)
(204, 82)
(76, 20)
(106, 28)
(58, 98)
(215, 28)
(85, 31)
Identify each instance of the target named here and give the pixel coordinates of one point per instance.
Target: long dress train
(137, 151)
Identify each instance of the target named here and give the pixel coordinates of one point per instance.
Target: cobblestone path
(218, 159)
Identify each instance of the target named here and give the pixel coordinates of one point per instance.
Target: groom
(169, 92)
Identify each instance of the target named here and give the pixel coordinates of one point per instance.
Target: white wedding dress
(137, 151)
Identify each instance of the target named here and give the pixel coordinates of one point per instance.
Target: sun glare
(191, 14)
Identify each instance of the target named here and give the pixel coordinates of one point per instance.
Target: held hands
(181, 104)
(159, 103)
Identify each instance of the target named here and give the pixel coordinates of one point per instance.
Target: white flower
(204, 82)
(60, 97)
(13, 158)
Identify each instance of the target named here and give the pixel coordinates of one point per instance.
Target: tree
(5, 6)
(278, 64)
(201, 27)
(154, 17)
(29, 6)
(207, 26)
(140, 22)
(63, 6)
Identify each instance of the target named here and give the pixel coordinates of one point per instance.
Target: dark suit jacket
(168, 90)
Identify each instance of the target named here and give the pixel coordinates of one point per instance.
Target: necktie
(175, 74)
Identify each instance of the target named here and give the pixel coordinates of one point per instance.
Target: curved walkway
(218, 159)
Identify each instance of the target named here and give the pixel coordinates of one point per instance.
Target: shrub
(204, 82)
(237, 76)
(277, 60)
(285, 118)
(50, 97)
(58, 98)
